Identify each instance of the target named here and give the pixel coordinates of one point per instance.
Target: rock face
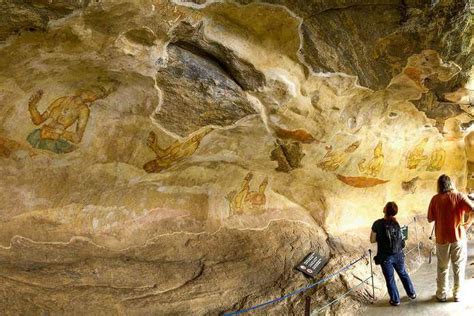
(198, 89)
(181, 157)
(33, 15)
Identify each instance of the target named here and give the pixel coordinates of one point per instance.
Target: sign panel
(312, 264)
(404, 230)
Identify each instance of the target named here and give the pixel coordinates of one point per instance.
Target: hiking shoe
(412, 296)
(394, 303)
(441, 299)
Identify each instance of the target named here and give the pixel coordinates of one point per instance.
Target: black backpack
(395, 237)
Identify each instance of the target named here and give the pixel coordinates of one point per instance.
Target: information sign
(312, 264)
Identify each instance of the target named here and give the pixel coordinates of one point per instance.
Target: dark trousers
(396, 262)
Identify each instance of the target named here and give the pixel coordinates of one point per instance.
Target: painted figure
(374, 166)
(437, 158)
(334, 159)
(416, 156)
(244, 198)
(165, 157)
(54, 135)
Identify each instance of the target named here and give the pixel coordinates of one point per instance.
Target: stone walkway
(425, 304)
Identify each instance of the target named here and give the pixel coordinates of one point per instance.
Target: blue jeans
(396, 262)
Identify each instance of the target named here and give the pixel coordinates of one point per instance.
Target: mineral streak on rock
(287, 154)
(199, 89)
(161, 196)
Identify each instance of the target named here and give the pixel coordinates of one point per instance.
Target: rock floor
(425, 304)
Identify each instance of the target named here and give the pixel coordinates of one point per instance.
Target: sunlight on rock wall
(170, 142)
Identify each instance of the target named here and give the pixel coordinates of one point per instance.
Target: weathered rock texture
(180, 157)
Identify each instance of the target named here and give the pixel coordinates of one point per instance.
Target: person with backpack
(448, 209)
(386, 232)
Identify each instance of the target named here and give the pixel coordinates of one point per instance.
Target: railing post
(307, 306)
(416, 237)
(372, 275)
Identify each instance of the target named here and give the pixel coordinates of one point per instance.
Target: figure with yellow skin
(246, 198)
(334, 159)
(165, 157)
(374, 166)
(416, 156)
(437, 159)
(257, 198)
(60, 115)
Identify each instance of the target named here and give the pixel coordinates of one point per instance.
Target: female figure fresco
(55, 134)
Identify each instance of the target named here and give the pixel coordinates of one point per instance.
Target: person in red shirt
(448, 210)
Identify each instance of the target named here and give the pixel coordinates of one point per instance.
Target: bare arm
(245, 184)
(153, 145)
(373, 237)
(467, 207)
(160, 152)
(469, 203)
(76, 137)
(36, 117)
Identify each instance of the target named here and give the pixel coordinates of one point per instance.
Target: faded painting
(64, 121)
(246, 199)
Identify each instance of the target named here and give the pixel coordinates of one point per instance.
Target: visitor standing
(390, 243)
(448, 210)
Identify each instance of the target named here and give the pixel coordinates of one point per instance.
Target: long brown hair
(391, 209)
(444, 184)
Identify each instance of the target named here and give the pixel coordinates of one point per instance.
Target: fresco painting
(57, 132)
(374, 166)
(332, 160)
(418, 159)
(437, 159)
(247, 200)
(416, 156)
(240, 136)
(360, 182)
(300, 135)
(177, 151)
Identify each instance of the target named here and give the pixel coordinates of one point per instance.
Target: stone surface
(199, 90)
(139, 172)
(33, 15)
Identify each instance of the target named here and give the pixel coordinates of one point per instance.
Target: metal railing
(417, 242)
(350, 290)
(333, 275)
(319, 282)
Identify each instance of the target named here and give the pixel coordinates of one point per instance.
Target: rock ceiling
(155, 154)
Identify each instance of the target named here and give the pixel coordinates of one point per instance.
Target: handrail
(343, 295)
(330, 276)
(417, 246)
(303, 289)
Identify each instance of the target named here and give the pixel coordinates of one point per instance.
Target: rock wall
(179, 157)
